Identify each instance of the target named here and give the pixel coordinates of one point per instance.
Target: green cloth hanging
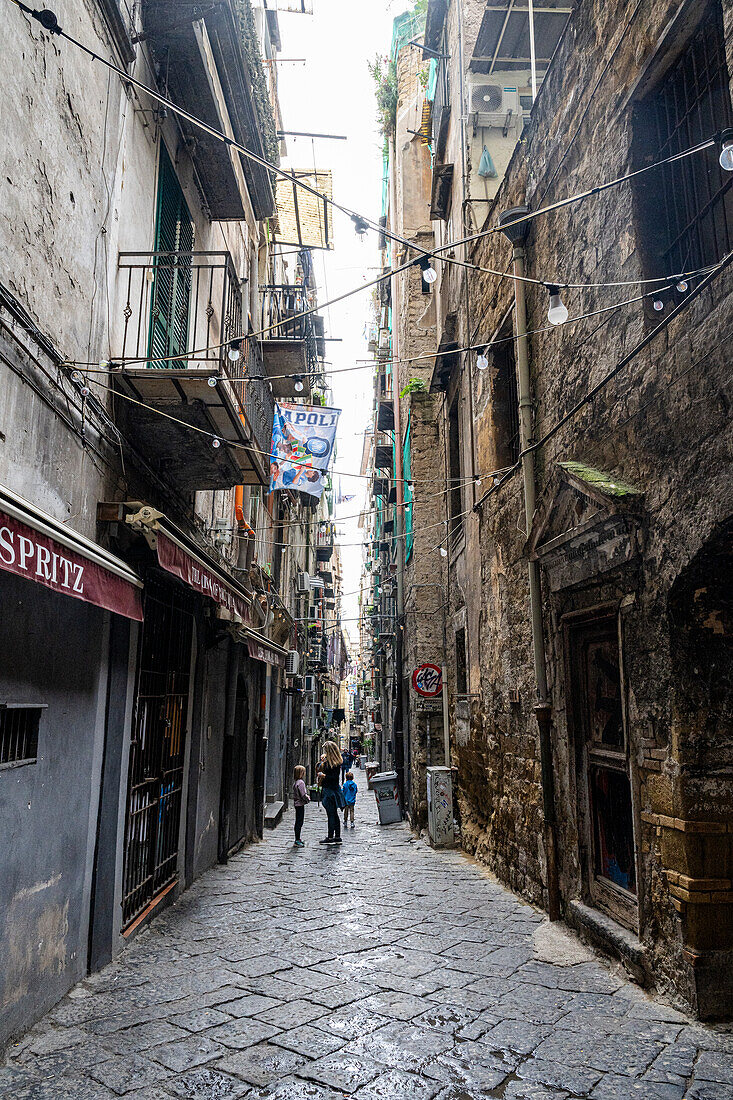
(486, 166)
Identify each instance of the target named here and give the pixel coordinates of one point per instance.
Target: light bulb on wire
(557, 314)
(234, 351)
(658, 305)
(429, 273)
(682, 286)
(482, 360)
(298, 384)
(726, 150)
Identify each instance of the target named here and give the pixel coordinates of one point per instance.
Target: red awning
(263, 650)
(38, 547)
(200, 576)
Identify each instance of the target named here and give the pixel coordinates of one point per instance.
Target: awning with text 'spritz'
(194, 572)
(40, 548)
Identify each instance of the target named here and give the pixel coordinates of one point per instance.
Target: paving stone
(200, 1019)
(309, 1040)
(341, 993)
(709, 1090)
(612, 1087)
(71, 1087)
(351, 1021)
(207, 1084)
(294, 1089)
(398, 1006)
(426, 989)
(530, 1090)
(293, 1014)
(515, 1035)
(578, 1080)
(263, 1064)
(249, 1005)
(713, 1065)
(132, 1071)
(347, 1072)
(396, 1085)
(142, 1036)
(186, 1053)
(463, 1066)
(243, 1033)
(449, 1018)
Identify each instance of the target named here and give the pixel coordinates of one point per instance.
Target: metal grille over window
(695, 216)
(19, 724)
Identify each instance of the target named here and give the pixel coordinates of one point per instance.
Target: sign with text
(427, 680)
(181, 565)
(37, 557)
(303, 438)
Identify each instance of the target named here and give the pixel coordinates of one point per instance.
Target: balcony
(184, 305)
(290, 344)
(199, 51)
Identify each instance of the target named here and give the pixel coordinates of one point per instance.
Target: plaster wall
(49, 808)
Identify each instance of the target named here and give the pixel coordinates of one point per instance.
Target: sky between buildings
(333, 93)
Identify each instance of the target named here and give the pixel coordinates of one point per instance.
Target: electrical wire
(364, 364)
(624, 362)
(48, 21)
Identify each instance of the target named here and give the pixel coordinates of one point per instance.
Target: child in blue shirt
(349, 788)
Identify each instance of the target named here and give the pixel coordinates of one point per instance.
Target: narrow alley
(378, 969)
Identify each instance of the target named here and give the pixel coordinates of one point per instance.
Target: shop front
(71, 613)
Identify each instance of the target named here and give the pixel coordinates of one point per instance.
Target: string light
(726, 150)
(212, 381)
(658, 305)
(557, 314)
(216, 443)
(683, 286)
(482, 360)
(297, 383)
(429, 273)
(234, 351)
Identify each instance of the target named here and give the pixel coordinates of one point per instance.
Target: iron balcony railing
(281, 318)
(181, 309)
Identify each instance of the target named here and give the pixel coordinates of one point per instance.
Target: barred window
(19, 724)
(687, 206)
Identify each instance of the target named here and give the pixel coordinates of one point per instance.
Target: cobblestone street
(378, 969)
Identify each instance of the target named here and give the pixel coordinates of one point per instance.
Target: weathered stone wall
(414, 330)
(662, 425)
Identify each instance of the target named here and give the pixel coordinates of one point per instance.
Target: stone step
(273, 813)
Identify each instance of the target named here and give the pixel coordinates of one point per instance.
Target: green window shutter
(171, 295)
(407, 475)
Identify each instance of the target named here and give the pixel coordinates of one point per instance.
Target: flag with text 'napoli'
(303, 439)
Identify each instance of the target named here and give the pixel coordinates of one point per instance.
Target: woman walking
(331, 798)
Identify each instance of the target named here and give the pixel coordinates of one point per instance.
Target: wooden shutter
(171, 296)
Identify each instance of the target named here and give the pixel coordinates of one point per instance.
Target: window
(687, 207)
(505, 395)
(171, 297)
(461, 665)
(19, 724)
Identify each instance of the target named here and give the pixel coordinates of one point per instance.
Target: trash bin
(372, 767)
(384, 785)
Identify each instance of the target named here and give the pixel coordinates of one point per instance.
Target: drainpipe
(543, 711)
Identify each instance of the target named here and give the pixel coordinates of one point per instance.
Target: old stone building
(148, 601)
(587, 461)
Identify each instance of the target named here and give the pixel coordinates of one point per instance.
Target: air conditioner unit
(292, 663)
(493, 104)
(303, 583)
(309, 684)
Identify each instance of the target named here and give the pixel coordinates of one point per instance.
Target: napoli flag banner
(303, 439)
